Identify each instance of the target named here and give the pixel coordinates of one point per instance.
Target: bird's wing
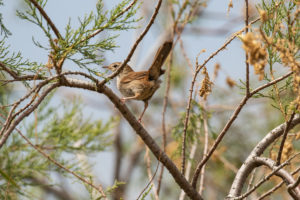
(134, 76)
(162, 53)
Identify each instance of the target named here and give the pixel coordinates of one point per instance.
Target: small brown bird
(141, 85)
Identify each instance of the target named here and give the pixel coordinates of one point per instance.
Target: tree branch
(47, 18)
(248, 165)
(276, 170)
(139, 129)
(228, 125)
(285, 133)
(277, 186)
(246, 54)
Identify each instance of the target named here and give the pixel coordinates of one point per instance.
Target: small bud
(230, 82)
(263, 15)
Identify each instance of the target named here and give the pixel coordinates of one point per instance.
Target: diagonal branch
(112, 20)
(285, 133)
(47, 18)
(139, 129)
(246, 53)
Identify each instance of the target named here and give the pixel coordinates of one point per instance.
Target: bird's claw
(123, 100)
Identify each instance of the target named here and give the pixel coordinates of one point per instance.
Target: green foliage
(56, 135)
(3, 29)
(78, 44)
(147, 192)
(15, 61)
(279, 25)
(116, 185)
(70, 132)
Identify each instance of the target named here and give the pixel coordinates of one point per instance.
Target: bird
(143, 84)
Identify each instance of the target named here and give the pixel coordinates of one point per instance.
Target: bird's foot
(123, 100)
(140, 120)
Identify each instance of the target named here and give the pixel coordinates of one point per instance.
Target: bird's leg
(124, 99)
(145, 107)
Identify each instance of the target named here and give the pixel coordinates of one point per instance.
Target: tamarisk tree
(209, 150)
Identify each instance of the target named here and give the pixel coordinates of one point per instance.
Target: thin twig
(270, 83)
(35, 90)
(189, 165)
(114, 74)
(205, 149)
(47, 18)
(164, 131)
(295, 184)
(112, 20)
(186, 121)
(285, 133)
(251, 180)
(188, 61)
(182, 8)
(150, 176)
(118, 160)
(246, 53)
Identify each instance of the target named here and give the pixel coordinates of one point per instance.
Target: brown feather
(155, 70)
(135, 76)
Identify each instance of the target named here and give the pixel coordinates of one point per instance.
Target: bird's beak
(105, 67)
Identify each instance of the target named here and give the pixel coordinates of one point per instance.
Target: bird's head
(113, 67)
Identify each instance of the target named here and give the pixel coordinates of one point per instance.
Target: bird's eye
(115, 66)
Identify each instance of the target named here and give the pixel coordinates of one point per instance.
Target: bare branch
(163, 124)
(248, 165)
(205, 149)
(246, 54)
(285, 133)
(150, 176)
